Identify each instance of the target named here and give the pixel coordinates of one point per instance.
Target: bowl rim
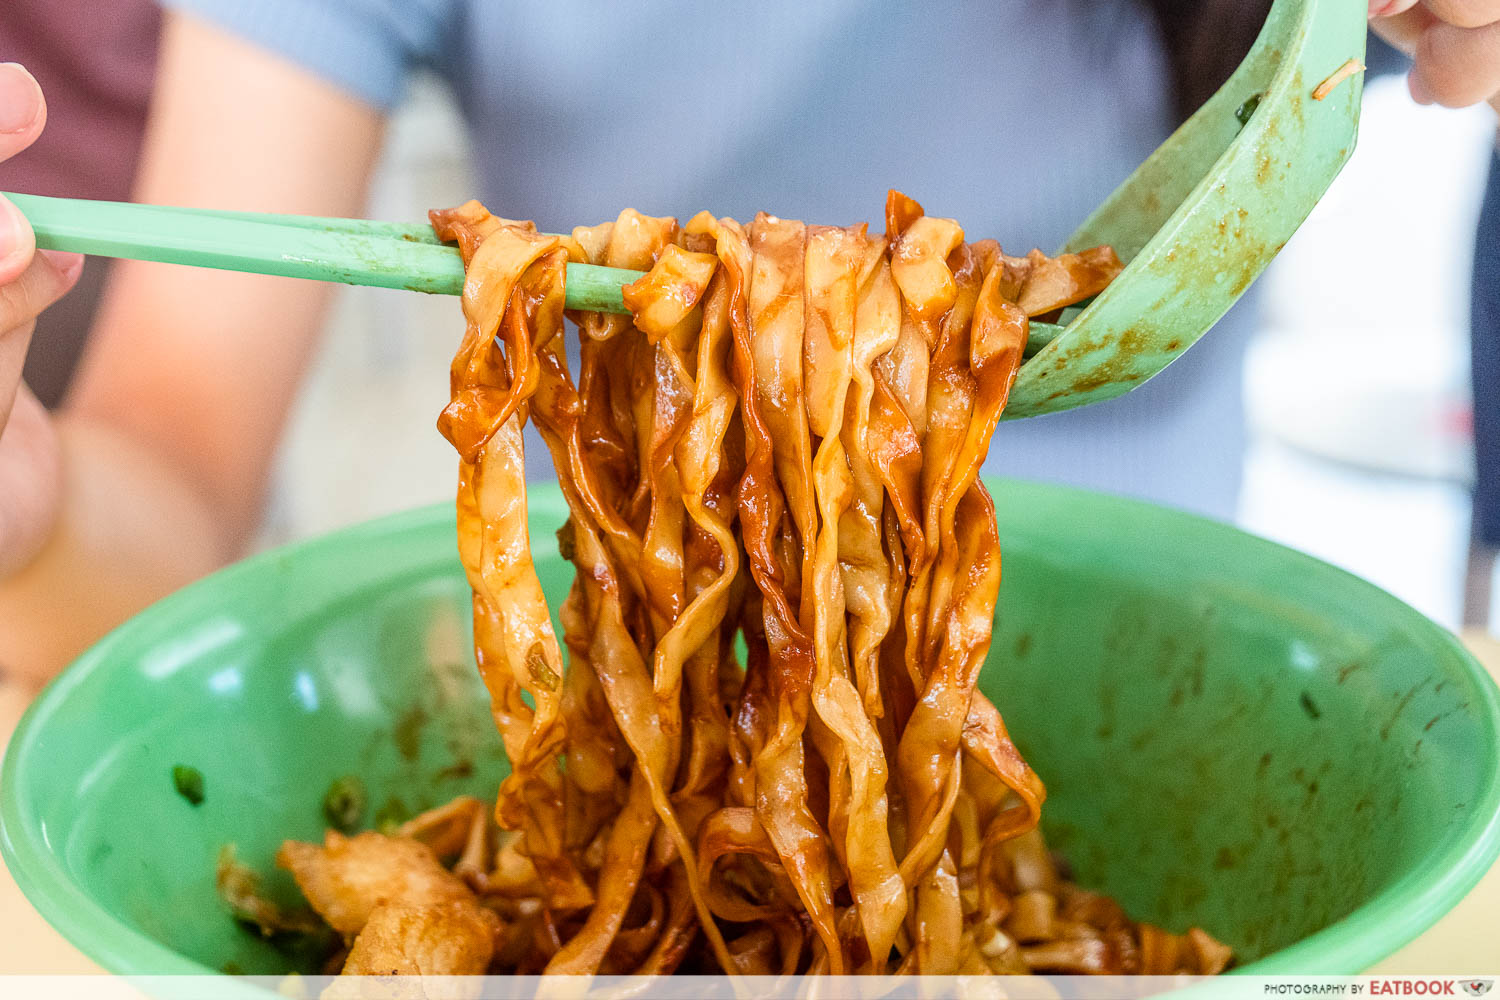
(1391, 918)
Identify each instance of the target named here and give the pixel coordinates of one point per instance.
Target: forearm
(131, 529)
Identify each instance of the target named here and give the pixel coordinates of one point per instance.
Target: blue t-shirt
(1016, 118)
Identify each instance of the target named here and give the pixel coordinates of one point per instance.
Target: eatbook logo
(1477, 987)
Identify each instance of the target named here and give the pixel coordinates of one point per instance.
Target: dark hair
(1204, 41)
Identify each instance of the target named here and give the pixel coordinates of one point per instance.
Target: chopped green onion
(189, 783)
(1244, 111)
(536, 663)
(344, 803)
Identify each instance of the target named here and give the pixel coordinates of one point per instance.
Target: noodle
(779, 448)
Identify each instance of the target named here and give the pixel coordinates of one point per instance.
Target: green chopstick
(352, 251)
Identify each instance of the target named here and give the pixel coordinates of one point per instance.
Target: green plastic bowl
(1233, 735)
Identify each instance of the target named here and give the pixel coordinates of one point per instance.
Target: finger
(1465, 13)
(1403, 30)
(48, 278)
(23, 111)
(1456, 67)
(30, 482)
(13, 344)
(1389, 8)
(44, 282)
(17, 242)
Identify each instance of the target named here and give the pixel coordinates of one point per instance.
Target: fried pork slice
(348, 877)
(443, 939)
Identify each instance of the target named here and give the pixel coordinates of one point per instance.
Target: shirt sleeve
(365, 47)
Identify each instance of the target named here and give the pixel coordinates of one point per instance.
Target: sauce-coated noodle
(767, 731)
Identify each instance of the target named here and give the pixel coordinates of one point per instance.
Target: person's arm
(180, 398)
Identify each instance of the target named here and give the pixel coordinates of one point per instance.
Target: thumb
(23, 112)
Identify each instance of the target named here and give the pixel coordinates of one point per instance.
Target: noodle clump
(768, 730)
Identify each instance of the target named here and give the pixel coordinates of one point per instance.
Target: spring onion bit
(189, 783)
